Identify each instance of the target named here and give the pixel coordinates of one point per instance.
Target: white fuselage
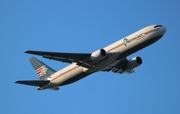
(120, 49)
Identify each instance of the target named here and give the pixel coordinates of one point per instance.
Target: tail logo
(41, 71)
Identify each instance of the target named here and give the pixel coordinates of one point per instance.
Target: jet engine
(134, 62)
(98, 55)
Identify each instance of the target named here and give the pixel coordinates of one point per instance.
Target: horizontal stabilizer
(33, 82)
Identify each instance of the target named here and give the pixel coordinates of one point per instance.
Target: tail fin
(42, 70)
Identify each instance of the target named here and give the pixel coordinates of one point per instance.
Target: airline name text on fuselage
(126, 41)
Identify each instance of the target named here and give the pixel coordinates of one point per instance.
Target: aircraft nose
(163, 30)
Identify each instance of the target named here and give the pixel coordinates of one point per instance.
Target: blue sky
(85, 26)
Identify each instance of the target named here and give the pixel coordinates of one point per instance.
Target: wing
(119, 67)
(78, 58)
(33, 82)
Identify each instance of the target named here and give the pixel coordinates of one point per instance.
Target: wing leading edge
(78, 58)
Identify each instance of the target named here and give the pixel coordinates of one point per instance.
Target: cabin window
(157, 26)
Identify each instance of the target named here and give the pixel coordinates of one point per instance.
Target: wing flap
(58, 58)
(33, 82)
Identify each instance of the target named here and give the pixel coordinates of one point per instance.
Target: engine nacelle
(134, 62)
(98, 55)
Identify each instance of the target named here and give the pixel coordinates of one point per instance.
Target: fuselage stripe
(65, 72)
(114, 47)
(137, 39)
(151, 31)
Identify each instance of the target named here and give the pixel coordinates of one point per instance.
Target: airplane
(110, 58)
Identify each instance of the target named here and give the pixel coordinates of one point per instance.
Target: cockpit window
(157, 26)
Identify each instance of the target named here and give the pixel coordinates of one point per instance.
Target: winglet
(31, 52)
(26, 51)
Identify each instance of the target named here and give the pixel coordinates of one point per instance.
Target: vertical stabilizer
(42, 70)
